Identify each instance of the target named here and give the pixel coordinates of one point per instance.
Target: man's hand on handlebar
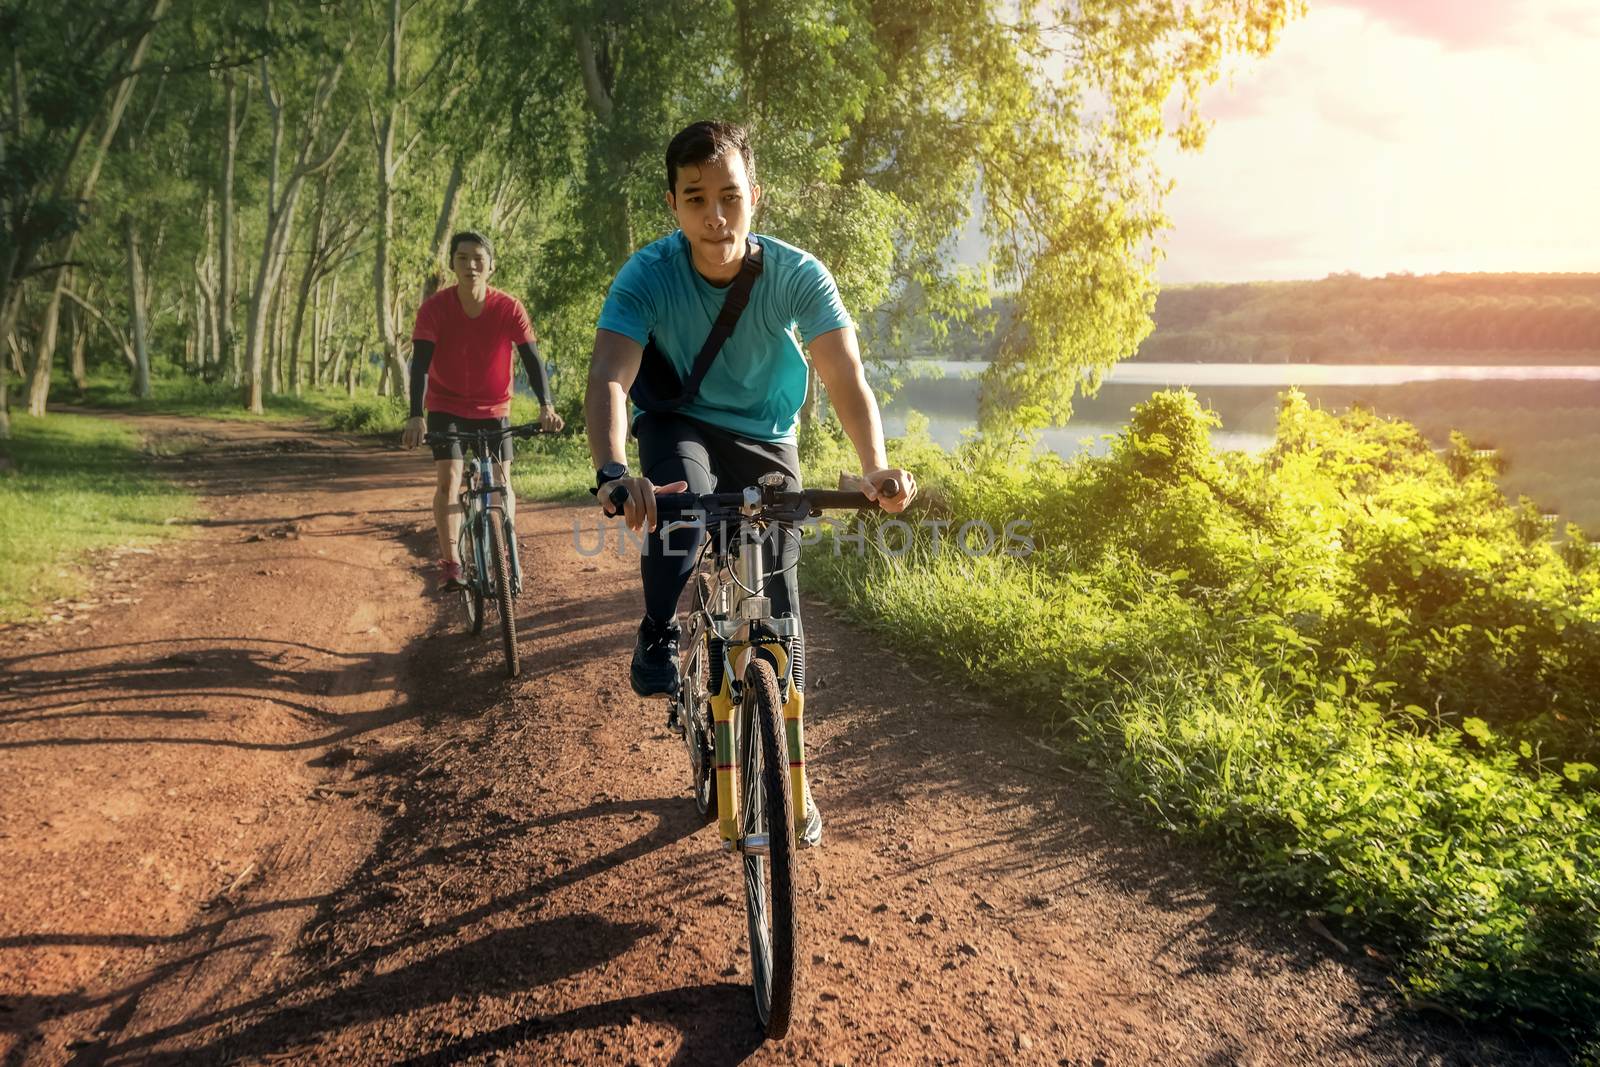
(411, 436)
(639, 510)
(549, 421)
(872, 481)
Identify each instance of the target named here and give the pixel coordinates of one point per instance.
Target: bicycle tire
(472, 591)
(502, 592)
(769, 879)
(699, 728)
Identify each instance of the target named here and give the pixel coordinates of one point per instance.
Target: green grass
(553, 468)
(211, 400)
(73, 484)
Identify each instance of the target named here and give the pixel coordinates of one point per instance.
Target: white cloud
(1401, 142)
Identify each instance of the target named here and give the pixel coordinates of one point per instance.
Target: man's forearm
(605, 402)
(605, 412)
(421, 357)
(533, 366)
(858, 414)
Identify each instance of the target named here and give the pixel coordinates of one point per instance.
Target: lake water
(1245, 395)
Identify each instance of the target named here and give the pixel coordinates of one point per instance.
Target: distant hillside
(1436, 318)
(1344, 318)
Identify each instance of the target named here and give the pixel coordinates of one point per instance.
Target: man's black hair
(708, 142)
(470, 237)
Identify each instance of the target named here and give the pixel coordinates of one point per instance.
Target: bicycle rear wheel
(472, 575)
(768, 879)
(502, 589)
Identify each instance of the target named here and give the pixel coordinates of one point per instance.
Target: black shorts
(444, 422)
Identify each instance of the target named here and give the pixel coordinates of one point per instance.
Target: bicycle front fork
(722, 715)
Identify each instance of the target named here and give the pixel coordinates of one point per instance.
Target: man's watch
(609, 473)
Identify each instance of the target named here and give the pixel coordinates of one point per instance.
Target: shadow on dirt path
(338, 835)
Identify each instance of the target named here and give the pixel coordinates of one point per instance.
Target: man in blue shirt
(741, 423)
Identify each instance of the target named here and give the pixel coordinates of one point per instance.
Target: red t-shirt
(470, 375)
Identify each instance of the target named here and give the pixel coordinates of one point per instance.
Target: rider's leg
(446, 509)
(670, 450)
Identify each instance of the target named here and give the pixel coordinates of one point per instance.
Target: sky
(1400, 135)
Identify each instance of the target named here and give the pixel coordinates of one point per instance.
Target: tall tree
(40, 215)
(317, 139)
(415, 58)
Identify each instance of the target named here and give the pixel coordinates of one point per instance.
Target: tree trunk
(308, 280)
(441, 230)
(19, 365)
(44, 350)
(381, 289)
(227, 345)
(202, 330)
(315, 369)
(280, 333)
(210, 346)
(329, 312)
(141, 349)
(75, 353)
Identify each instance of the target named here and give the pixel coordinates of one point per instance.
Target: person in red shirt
(461, 369)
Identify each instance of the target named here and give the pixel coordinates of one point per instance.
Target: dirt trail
(263, 801)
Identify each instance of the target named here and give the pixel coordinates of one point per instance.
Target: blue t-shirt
(758, 381)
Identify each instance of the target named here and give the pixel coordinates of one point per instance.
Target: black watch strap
(608, 473)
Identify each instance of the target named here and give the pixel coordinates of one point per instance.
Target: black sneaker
(655, 659)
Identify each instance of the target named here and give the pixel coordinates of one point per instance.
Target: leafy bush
(370, 414)
(1350, 665)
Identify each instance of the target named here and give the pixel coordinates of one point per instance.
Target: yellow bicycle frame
(737, 654)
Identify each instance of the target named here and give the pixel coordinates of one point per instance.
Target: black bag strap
(733, 306)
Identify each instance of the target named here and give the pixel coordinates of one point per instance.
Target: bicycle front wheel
(502, 591)
(769, 878)
(694, 697)
(472, 575)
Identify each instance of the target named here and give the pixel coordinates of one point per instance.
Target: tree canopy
(240, 188)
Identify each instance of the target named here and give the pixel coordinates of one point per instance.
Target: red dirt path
(260, 800)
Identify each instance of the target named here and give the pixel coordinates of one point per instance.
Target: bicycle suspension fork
(751, 576)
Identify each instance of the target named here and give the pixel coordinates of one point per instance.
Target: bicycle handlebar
(803, 503)
(445, 437)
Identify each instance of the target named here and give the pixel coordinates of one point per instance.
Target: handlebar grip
(890, 487)
(838, 499)
(676, 503)
(619, 497)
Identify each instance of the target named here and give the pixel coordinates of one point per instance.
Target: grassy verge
(72, 485)
(1348, 668)
(211, 400)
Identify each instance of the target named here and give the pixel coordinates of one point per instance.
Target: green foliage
(371, 414)
(70, 485)
(1348, 665)
(874, 127)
